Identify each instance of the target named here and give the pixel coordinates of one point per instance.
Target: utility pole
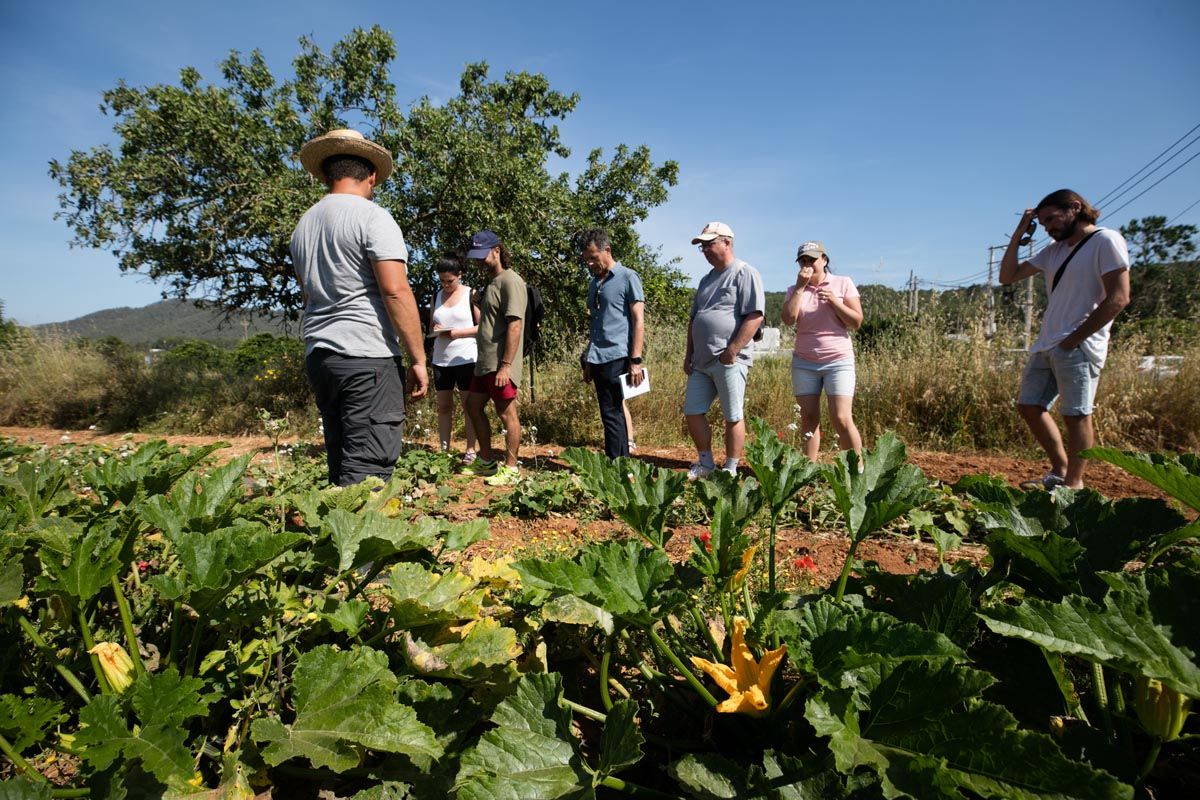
(989, 325)
(912, 293)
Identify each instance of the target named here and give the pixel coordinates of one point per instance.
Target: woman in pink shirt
(824, 308)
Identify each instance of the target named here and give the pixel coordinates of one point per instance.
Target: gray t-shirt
(334, 250)
(723, 300)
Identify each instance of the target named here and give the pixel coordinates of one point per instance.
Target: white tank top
(453, 352)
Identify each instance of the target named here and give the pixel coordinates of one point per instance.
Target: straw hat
(347, 142)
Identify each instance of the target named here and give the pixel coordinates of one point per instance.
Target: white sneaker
(698, 471)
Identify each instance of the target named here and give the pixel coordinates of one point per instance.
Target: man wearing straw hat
(351, 261)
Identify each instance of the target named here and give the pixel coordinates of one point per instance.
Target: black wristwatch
(635, 360)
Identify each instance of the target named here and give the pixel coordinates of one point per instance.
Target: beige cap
(345, 142)
(711, 231)
(814, 249)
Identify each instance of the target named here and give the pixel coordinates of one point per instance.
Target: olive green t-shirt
(503, 298)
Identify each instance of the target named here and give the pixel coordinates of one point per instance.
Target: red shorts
(486, 384)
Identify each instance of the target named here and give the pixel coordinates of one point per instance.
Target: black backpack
(535, 312)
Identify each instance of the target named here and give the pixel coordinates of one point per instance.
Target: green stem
(634, 790)
(70, 792)
(702, 624)
(846, 567)
(194, 646)
(1101, 690)
(688, 675)
(176, 624)
(605, 700)
(790, 697)
(583, 710)
(127, 624)
(366, 582)
(1151, 758)
(21, 764)
(749, 603)
(89, 643)
(49, 655)
(771, 555)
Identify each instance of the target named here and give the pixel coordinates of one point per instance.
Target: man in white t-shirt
(1087, 284)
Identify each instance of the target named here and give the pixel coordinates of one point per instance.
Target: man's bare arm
(401, 307)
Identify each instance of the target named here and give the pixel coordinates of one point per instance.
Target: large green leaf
(12, 579)
(163, 698)
(925, 732)
(150, 470)
(105, 736)
(709, 776)
(1144, 626)
(1178, 476)
(469, 652)
(838, 642)
(372, 536)
(531, 754)
(781, 469)
(215, 563)
(199, 503)
(344, 700)
(92, 559)
(885, 489)
(36, 489)
(22, 788)
(24, 721)
(620, 577)
(420, 597)
(621, 744)
(639, 494)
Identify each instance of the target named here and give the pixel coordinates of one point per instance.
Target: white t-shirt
(453, 352)
(1080, 290)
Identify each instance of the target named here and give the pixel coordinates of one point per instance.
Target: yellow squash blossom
(747, 681)
(739, 577)
(115, 663)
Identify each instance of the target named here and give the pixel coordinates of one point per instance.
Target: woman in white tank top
(452, 326)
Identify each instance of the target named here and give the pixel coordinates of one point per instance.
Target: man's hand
(636, 374)
(418, 379)
(729, 356)
(587, 372)
(1023, 225)
(687, 364)
(502, 375)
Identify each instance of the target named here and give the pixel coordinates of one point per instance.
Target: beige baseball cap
(712, 230)
(813, 249)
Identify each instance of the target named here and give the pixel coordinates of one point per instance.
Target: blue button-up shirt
(609, 303)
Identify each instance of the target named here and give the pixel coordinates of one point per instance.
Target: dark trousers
(362, 411)
(606, 378)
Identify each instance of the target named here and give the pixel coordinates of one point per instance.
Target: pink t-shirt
(820, 335)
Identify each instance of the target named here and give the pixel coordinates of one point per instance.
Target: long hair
(1063, 199)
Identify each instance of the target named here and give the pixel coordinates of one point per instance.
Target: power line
(1180, 152)
(1156, 183)
(1181, 213)
(1147, 165)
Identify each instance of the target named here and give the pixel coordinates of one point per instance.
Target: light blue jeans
(1054, 372)
(705, 384)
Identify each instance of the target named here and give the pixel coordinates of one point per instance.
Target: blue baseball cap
(482, 244)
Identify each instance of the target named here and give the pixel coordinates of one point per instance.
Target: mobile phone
(1029, 232)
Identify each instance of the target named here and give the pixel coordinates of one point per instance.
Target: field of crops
(185, 626)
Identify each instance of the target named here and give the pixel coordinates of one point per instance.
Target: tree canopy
(204, 186)
(1152, 241)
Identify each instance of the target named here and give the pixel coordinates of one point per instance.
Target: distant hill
(166, 322)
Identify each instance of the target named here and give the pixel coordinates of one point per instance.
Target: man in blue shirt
(615, 302)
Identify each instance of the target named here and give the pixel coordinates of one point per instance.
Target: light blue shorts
(1054, 372)
(717, 381)
(836, 377)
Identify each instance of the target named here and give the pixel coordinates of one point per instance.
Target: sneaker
(1047, 482)
(469, 457)
(698, 471)
(505, 476)
(478, 466)
(632, 448)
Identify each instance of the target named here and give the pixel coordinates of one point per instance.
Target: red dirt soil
(561, 533)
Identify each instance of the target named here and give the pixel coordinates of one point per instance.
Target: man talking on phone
(1086, 270)
(615, 302)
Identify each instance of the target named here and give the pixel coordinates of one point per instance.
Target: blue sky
(905, 135)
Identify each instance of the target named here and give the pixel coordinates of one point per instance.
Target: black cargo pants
(362, 411)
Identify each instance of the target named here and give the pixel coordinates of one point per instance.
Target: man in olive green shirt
(498, 366)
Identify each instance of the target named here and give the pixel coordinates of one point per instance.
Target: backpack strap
(1062, 268)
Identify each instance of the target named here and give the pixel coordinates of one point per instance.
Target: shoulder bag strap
(1062, 268)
